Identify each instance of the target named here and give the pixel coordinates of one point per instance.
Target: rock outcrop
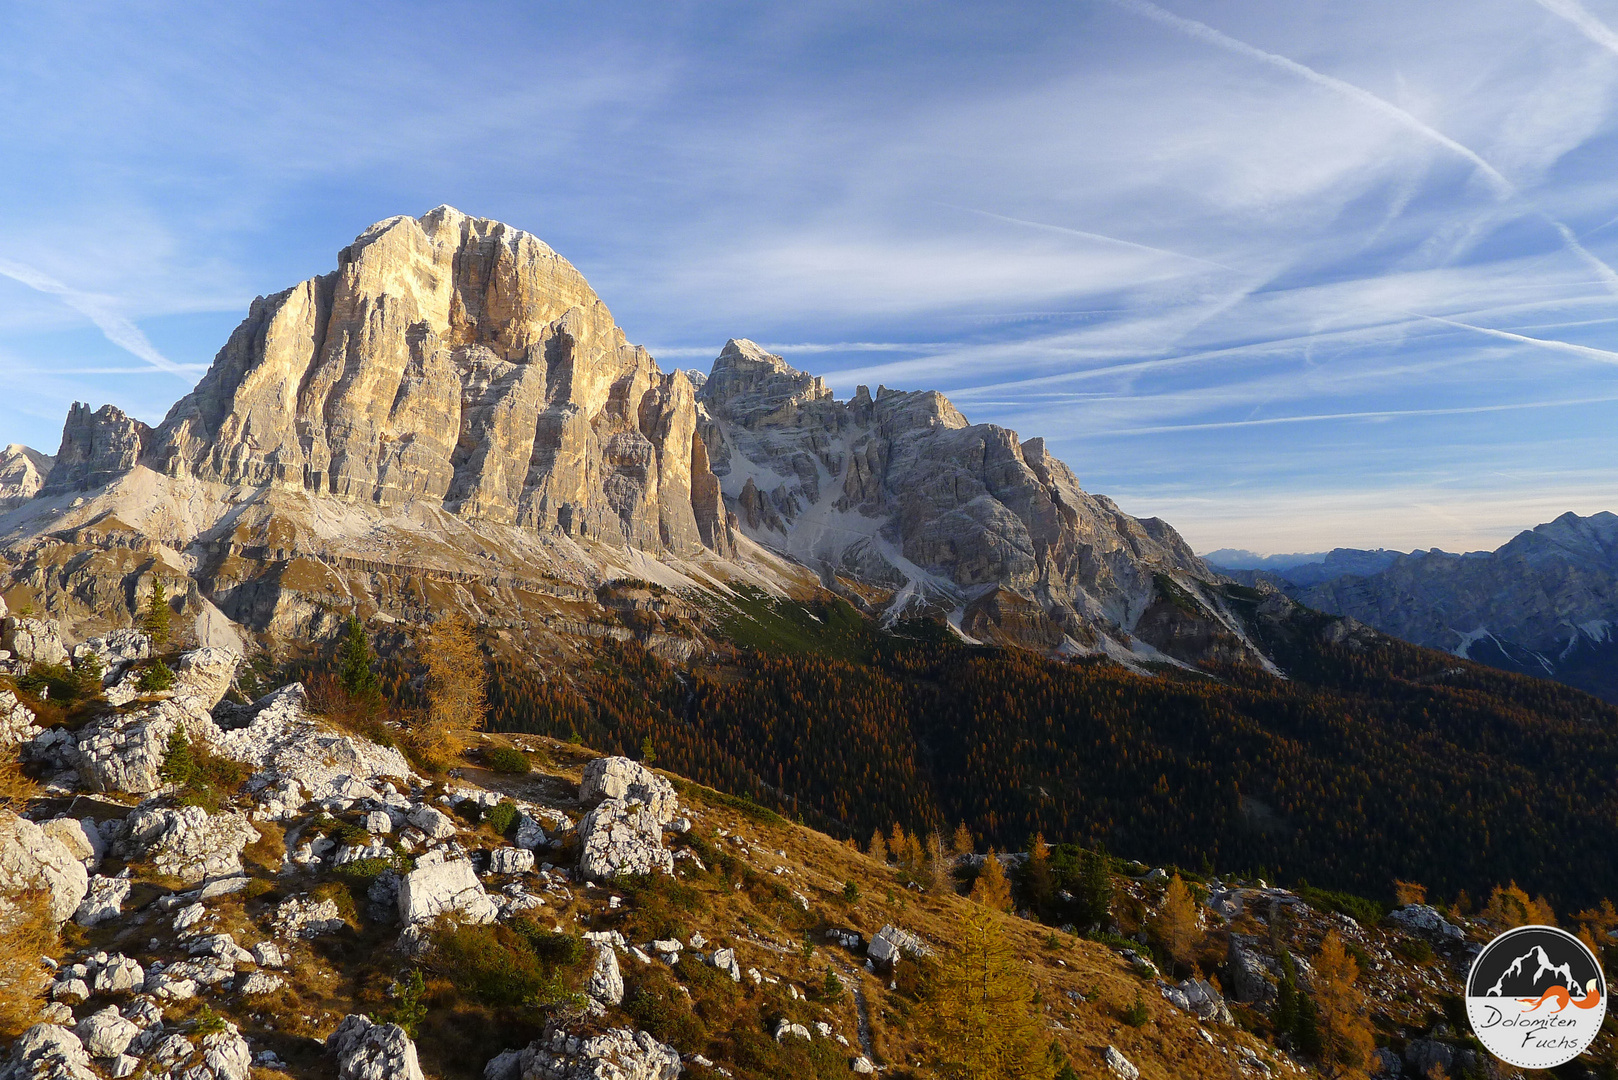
(32, 860)
(618, 1053)
(901, 490)
(22, 473)
(622, 838)
(189, 843)
(459, 361)
(621, 778)
(370, 1051)
(1544, 604)
(96, 448)
(447, 887)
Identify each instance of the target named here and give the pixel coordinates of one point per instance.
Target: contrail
(114, 327)
(1585, 351)
(1103, 238)
(1590, 26)
(1369, 414)
(1503, 188)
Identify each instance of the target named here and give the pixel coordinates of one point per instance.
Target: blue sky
(1287, 274)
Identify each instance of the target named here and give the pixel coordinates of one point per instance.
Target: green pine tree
(354, 664)
(648, 751)
(1095, 890)
(156, 620)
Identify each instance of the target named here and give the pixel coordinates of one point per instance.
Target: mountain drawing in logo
(1515, 982)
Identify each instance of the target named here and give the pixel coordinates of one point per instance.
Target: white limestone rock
(206, 674)
(436, 824)
(629, 781)
(618, 838)
(285, 746)
(1425, 921)
(81, 836)
(119, 975)
(618, 1053)
(47, 1052)
(116, 649)
(16, 721)
(124, 751)
(510, 860)
(368, 1051)
(449, 886)
(306, 917)
(1120, 1065)
(189, 843)
(31, 859)
(103, 902)
(35, 640)
(105, 1033)
(606, 983)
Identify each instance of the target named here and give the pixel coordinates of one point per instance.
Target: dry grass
(26, 935)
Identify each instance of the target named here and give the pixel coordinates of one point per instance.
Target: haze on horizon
(1291, 275)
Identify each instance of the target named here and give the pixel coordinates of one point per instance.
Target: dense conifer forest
(1366, 765)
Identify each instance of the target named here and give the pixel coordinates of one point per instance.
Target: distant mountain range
(1545, 604)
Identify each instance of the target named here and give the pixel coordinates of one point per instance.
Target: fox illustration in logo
(1559, 994)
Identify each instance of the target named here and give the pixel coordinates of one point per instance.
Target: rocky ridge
(1544, 604)
(255, 964)
(452, 419)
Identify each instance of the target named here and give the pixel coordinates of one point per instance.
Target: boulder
(621, 778)
(16, 721)
(606, 983)
(103, 902)
(891, 942)
(618, 838)
(510, 860)
(1424, 921)
(125, 751)
(369, 1051)
(47, 1051)
(436, 824)
(1247, 973)
(1120, 1065)
(119, 975)
(225, 1056)
(618, 1053)
(287, 749)
(450, 886)
(725, 960)
(189, 843)
(306, 917)
(106, 1033)
(38, 641)
(206, 674)
(31, 859)
(81, 836)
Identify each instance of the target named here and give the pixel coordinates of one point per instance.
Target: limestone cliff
(451, 418)
(459, 361)
(901, 489)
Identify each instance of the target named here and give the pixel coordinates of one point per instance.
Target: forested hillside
(1375, 760)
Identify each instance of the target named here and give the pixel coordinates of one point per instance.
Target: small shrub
(506, 759)
(851, 893)
(207, 1022)
(405, 1007)
(55, 682)
(657, 1006)
(155, 679)
(1415, 950)
(502, 818)
(470, 810)
(1136, 1015)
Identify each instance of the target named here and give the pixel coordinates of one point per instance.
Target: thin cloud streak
(1369, 414)
(1588, 25)
(114, 327)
